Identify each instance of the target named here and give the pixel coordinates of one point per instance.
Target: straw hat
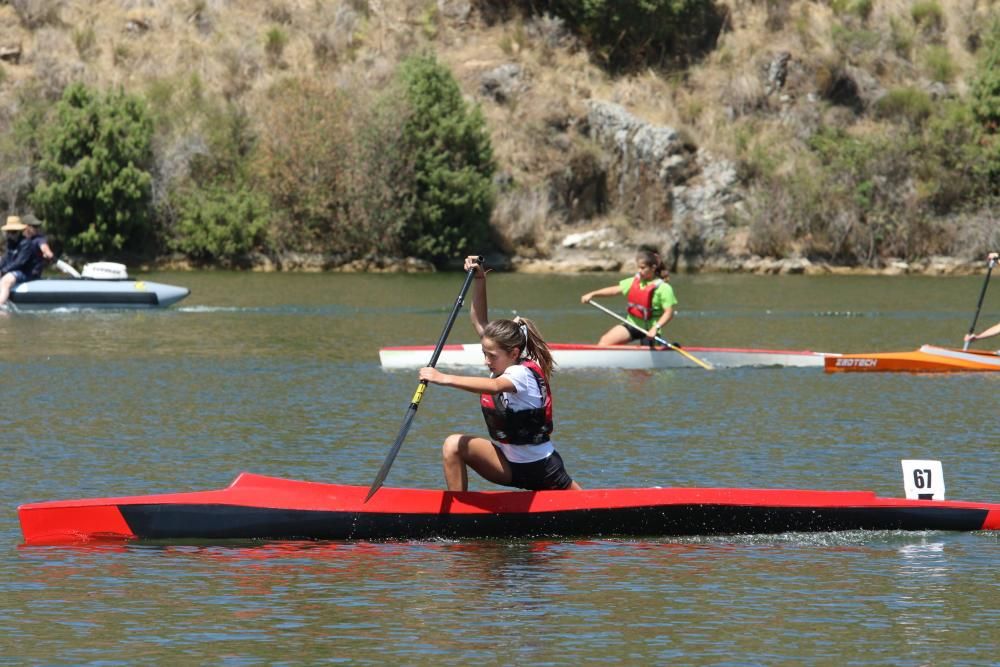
(14, 224)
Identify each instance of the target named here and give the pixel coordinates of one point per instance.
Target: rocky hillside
(710, 160)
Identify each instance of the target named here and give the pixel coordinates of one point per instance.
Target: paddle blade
(393, 451)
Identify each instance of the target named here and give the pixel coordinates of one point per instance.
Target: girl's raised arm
(479, 311)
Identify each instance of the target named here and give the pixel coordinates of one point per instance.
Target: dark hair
(508, 334)
(650, 257)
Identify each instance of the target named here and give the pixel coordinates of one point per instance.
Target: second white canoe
(568, 355)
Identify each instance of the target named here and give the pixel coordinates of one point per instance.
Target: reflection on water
(279, 375)
(922, 603)
(829, 596)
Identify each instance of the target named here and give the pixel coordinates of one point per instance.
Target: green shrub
(909, 104)
(984, 91)
(630, 34)
(956, 169)
(862, 9)
(300, 164)
(928, 15)
(379, 180)
(85, 40)
(453, 164)
(984, 98)
(95, 187)
(854, 42)
(275, 42)
(901, 35)
(940, 66)
(208, 208)
(871, 208)
(219, 223)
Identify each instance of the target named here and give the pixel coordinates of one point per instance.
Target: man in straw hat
(24, 259)
(13, 230)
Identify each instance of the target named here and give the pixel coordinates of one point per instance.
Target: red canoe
(269, 508)
(928, 359)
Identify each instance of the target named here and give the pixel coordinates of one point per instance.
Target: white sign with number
(922, 479)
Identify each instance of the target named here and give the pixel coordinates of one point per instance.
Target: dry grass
(722, 102)
(225, 44)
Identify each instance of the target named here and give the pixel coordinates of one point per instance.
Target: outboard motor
(105, 271)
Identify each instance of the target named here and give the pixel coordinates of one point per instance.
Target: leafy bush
(19, 147)
(928, 14)
(985, 104)
(909, 104)
(211, 211)
(453, 164)
(985, 89)
(956, 169)
(300, 164)
(853, 41)
(380, 178)
(217, 222)
(939, 64)
(95, 187)
(901, 36)
(866, 197)
(275, 42)
(862, 9)
(629, 34)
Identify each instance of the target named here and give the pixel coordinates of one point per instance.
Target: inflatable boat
(100, 285)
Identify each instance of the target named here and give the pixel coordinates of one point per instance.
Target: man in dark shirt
(24, 260)
(40, 254)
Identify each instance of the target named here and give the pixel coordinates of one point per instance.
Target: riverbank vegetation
(297, 134)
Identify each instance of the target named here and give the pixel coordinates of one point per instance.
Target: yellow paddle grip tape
(419, 393)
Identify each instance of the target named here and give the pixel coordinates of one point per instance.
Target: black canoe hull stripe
(233, 522)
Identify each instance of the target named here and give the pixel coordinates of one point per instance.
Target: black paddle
(982, 293)
(419, 394)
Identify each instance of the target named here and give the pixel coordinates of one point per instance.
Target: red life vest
(520, 427)
(640, 299)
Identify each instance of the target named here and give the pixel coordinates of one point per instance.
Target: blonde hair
(521, 333)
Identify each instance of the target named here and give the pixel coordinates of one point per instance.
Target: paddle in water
(659, 340)
(419, 394)
(982, 293)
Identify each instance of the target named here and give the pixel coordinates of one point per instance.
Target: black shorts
(548, 474)
(636, 335)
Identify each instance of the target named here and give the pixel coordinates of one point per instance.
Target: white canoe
(88, 293)
(607, 356)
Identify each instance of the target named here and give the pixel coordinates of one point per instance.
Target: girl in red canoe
(516, 401)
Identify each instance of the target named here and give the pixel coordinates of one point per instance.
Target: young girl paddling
(516, 402)
(651, 301)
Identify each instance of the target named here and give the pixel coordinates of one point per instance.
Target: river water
(279, 375)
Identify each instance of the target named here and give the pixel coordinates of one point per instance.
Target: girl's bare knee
(452, 446)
